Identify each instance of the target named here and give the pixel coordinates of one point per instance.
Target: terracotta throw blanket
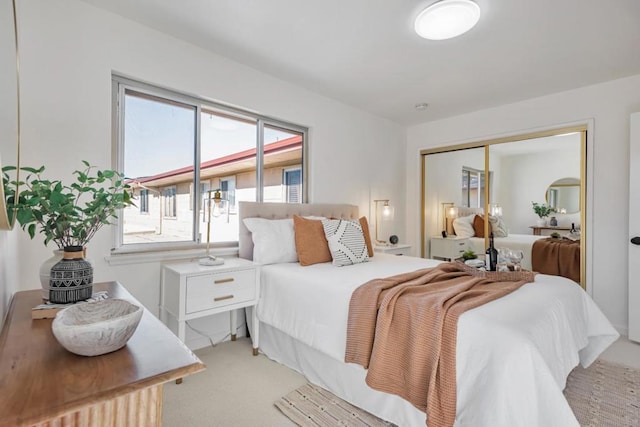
(403, 329)
(558, 257)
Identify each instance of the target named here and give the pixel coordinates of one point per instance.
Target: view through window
(162, 138)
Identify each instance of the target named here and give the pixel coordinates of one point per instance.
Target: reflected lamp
(386, 214)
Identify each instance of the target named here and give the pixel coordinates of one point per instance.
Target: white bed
(513, 354)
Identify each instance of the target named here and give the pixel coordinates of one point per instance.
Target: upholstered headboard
(285, 210)
(465, 211)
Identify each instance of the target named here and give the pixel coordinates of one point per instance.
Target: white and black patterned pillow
(346, 241)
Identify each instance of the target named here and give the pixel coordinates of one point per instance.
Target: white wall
(526, 179)
(607, 106)
(8, 270)
(68, 52)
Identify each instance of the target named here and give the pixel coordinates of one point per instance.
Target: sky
(160, 137)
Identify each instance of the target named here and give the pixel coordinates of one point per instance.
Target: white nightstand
(190, 291)
(398, 249)
(448, 248)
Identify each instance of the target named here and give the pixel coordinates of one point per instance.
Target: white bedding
(523, 242)
(513, 354)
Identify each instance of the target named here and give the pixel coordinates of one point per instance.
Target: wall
(606, 108)
(525, 180)
(69, 50)
(8, 270)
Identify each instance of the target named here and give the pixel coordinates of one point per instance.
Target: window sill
(127, 258)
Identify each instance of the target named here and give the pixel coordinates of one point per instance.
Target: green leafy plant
(68, 215)
(555, 235)
(542, 210)
(469, 254)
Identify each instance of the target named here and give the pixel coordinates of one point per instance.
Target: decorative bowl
(95, 328)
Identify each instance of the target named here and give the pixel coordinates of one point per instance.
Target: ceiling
(366, 54)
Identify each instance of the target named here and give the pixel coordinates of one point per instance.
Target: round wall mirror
(564, 195)
(9, 110)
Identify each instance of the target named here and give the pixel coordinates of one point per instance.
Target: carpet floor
(603, 395)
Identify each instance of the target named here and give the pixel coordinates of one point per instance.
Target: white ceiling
(365, 53)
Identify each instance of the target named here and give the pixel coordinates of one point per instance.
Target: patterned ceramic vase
(71, 278)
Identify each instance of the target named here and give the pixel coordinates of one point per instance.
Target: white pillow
(463, 226)
(346, 241)
(273, 240)
(498, 227)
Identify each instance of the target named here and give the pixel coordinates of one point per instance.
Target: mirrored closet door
(505, 178)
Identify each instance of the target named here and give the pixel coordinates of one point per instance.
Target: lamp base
(210, 261)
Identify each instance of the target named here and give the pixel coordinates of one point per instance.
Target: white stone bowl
(94, 328)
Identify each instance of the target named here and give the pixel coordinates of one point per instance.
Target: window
(292, 180)
(169, 202)
(228, 190)
(171, 146)
(144, 201)
(473, 183)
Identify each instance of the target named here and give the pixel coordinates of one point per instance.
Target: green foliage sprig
(542, 210)
(68, 215)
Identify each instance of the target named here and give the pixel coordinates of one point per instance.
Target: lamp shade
(447, 19)
(387, 212)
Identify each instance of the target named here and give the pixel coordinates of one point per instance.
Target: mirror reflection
(519, 173)
(564, 195)
(8, 106)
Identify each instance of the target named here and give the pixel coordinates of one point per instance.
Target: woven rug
(603, 395)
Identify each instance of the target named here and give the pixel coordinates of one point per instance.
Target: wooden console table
(42, 384)
(537, 231)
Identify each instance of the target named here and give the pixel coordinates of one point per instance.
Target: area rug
(603, 395)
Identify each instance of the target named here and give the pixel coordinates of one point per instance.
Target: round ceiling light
(447, 19)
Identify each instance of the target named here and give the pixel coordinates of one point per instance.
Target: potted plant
(543, 211)
(68, 215)
(469, 254)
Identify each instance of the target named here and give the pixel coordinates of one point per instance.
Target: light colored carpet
(237, 389)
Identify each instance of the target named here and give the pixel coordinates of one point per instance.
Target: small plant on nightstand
(469, 254)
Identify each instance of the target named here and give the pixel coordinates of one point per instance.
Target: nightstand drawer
(217, 290)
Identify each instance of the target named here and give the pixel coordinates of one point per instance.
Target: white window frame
(120, 84)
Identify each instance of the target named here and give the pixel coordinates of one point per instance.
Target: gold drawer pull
(217, 282)
(222, 298)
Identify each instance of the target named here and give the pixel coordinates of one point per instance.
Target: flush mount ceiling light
(447, 19)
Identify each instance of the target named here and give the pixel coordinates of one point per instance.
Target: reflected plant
(542, 210)
(68, 215)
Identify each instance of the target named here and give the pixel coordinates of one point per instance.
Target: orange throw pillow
(367, 238)
(311, 244)
(478, 226)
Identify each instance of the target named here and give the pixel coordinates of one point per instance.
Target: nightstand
(189, 290)
(448, 248)
(398, 249)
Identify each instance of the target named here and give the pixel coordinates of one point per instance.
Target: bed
(513, 354)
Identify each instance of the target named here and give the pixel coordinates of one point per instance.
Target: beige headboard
(465, 211)
(285, 210)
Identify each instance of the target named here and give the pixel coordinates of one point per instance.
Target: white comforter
(513, 354)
